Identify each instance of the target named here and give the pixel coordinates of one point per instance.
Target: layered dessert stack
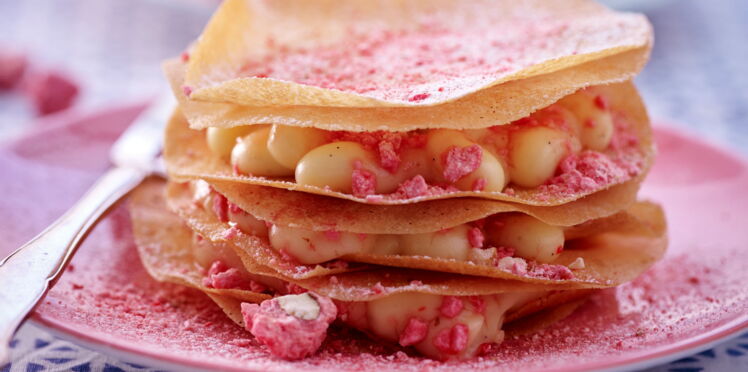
(432, 173)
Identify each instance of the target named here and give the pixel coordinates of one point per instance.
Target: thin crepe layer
(324, 213)
(165, 243)
(611, 257)
(397, 52)
(187, 157)
(497, 105)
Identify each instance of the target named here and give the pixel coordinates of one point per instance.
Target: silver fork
(27, 273)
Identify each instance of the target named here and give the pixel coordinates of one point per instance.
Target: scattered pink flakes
(509, 191)
(77, 286)
(452, 340)
(187, 90)
(419, 97)
(415, 331)
(487, 348)
(475, 237)
(461, 161)
(553, 272)
(337, 264)
(233, 208)
(389, 155)
(502, 252)
(601, 102)
(584, 172)
(413, 187)
(363, 182)
(514, 265)
(416, 283)
(478, 303)
(332, 235)
(333, 279)
(241, 342)
(231, 233)
(479, 184)
(221, 207)
(220, 276)
(12, 68)
(378, 288)
(451, 307)
(292, 288)
(257, 287)
(185, 57)
(51, 91)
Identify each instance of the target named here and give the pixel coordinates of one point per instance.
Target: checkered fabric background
(697, 79)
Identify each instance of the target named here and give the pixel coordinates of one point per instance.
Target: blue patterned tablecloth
(697, 78)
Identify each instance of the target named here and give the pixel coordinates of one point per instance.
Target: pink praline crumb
(461, 161)
(452, 340)
(415, 331)
(451, 307)
(287, 336)
(475, 237)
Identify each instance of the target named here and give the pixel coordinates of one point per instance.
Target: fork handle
(27, 274)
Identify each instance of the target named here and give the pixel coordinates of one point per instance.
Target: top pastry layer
(392, 53)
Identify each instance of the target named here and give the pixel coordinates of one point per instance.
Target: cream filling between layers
(525, 153)
(482, 242)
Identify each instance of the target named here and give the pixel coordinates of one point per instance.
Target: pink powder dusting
(443, 56)
(452, 340)
(287, 336)
(415, 331)
(458, 162)
(451, 307)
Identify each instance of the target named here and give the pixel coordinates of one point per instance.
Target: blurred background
(111, 49)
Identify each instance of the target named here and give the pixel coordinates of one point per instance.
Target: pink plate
(696, 296)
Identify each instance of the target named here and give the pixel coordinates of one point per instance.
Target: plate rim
(128, 350)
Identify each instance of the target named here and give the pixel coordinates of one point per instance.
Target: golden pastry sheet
(611, 257)
(397, 53)
(165, 243)
(498, 105)
(322, 213)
